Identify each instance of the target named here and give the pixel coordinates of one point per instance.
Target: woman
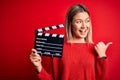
(81, 60)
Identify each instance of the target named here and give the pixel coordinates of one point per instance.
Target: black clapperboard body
(49, 44)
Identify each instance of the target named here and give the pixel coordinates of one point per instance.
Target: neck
(77, 40)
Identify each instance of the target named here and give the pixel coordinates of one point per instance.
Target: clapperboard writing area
(49, 44)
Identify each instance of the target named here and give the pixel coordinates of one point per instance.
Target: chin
(78, 35)
(82, 36)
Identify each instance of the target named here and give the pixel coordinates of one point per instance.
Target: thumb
(108, 44)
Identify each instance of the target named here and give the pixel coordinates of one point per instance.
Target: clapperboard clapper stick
(49, 44)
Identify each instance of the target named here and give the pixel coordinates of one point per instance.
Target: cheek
(78, 25)
(75, 28)
(88, 25)
(88, 30)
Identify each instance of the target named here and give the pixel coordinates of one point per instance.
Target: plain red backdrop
(19, 19)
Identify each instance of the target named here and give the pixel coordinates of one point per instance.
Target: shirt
(79, 62)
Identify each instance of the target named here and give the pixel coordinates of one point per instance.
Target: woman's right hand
(36, 59)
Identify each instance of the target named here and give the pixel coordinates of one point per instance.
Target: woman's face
(80, 25)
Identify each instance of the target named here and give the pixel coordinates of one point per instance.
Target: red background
(19, 19)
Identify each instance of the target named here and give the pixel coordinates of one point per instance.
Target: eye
(78, 22)
(88, 20)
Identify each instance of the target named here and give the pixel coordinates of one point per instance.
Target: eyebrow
(81, 19)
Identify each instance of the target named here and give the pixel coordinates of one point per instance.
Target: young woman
(81, 60)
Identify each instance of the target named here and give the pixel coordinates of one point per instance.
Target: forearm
(43, 75)
(39, 68)
(101, 69)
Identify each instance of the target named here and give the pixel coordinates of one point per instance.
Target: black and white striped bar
(50, 28)
(49, 44)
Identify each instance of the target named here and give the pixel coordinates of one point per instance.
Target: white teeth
(82, 30)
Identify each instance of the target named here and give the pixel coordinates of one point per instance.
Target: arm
(36, 60)
(101, 61)
(43, 75)
(101, 68)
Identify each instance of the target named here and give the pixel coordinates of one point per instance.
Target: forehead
(81, 15)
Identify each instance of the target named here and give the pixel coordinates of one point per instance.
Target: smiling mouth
(83, 31)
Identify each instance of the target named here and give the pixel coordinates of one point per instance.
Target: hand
(101, 48)
(36, 59)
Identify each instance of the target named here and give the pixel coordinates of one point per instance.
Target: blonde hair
(68, 22)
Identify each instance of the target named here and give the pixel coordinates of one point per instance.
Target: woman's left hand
(101, 48)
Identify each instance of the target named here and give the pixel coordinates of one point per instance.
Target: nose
(83, 25)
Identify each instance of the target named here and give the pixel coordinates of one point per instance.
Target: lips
(83, 31)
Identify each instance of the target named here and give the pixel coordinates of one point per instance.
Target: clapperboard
(49, 44)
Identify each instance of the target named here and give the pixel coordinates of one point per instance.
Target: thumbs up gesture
(101, 48)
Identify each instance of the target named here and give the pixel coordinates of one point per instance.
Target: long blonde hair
(68, 22)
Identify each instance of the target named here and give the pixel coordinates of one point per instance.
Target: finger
(108, 44)
(34, 50)
(95, 47)
(35, 58)
(35, 55)
(100, 44)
